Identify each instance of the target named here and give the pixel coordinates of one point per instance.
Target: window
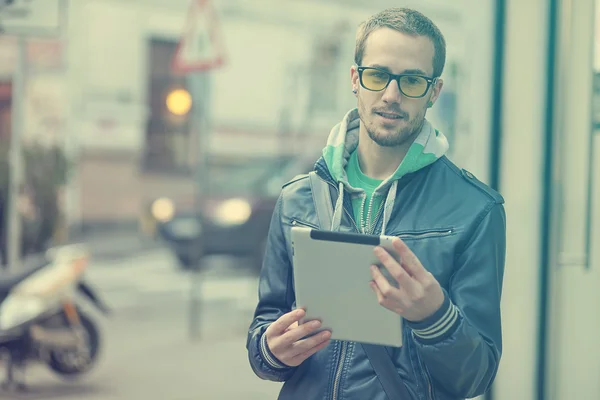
(169, 144)
(324, 74)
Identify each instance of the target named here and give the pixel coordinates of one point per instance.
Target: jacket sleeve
(275, 298)
(461, 343)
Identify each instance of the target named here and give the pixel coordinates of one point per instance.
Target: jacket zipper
(427, 378)
(423, 235)
(304, 224)
(338, 372)
(429, 385)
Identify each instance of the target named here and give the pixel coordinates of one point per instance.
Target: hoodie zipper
(377, 216)
(367, 226)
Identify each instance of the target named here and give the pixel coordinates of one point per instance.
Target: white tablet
(331, 281)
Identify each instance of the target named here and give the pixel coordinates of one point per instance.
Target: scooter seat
(8, 281)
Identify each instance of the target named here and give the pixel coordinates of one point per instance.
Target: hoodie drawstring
(388, 206)
(339, 209)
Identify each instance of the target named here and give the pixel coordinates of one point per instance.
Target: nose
(392, 93)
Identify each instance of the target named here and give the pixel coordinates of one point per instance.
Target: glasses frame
(393, 77)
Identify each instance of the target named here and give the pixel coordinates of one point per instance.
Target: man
(388, 164)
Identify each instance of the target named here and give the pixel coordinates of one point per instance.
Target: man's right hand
(284, 338)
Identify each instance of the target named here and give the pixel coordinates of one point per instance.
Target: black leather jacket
(456, 226)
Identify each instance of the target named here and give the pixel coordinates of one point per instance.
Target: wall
(521, 177)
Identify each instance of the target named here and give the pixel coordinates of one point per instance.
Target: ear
(436, 90)
(354, 78)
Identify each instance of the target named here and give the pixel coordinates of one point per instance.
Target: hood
(429, 145)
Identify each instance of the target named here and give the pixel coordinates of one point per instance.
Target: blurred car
(236, 214)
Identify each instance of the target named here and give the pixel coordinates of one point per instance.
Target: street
(147, 350)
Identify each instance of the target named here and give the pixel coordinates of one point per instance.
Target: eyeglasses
(411, 85)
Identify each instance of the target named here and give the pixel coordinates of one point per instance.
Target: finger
(309, 346)
(380, 298)
(395, 269)
(278, 327)
(409, 260)
(294, 335)
(394, 305)
(301, 357)
(387, 290)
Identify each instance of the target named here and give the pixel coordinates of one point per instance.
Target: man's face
(389, 117)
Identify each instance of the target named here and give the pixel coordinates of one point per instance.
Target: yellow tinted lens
(413, 86)
(374, 80)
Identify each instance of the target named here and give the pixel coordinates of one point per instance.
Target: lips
(389, 115)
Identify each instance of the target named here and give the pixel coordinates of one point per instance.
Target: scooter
(41, 320)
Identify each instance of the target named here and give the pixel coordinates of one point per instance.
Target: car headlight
(163, 209)
(15, 310)
(233, 212)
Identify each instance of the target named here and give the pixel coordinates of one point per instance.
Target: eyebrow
(415, 71)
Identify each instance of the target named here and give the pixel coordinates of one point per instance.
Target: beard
(391, 134)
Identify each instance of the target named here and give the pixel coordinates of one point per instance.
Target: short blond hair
(410, 22)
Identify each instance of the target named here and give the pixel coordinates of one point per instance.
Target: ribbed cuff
(268, 357)
(439, 326)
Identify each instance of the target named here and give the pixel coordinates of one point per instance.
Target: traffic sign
(201, 47)
(39, 18)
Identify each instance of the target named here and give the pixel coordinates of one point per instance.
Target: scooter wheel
(71, 363)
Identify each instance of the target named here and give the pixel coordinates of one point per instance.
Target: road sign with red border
(201, 46)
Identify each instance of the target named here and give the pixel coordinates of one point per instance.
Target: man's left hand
(419, 294)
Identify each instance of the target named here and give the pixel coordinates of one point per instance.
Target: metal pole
(195, 303)
(200, 89)
(16, 165)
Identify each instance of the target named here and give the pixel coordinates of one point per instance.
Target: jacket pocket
(424, 234)
(295, 222)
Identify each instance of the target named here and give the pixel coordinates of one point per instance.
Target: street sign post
(200, 51)
(23, 18)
